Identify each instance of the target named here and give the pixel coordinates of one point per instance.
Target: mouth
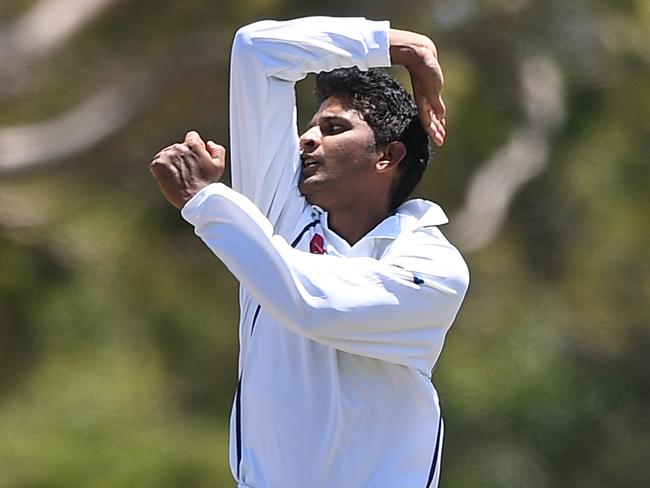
(308, 161)
(309, 165)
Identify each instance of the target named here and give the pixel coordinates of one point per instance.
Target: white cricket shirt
(337, 342)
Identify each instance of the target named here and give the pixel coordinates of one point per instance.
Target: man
(346, 292)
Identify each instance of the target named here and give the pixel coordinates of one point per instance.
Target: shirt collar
(409, 216)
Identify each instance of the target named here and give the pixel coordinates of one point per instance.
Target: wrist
(408, 48)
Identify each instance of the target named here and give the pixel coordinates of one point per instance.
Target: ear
(390, 157)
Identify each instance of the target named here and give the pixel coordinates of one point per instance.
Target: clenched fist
(182, 170)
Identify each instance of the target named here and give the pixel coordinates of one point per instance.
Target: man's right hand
(419, 55)
(182, 170)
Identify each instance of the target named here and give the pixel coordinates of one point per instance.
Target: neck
(354, 223)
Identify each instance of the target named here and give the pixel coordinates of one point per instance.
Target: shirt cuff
(191, 212)
(377, 38)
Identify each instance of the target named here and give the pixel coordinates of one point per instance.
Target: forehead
(336, 107)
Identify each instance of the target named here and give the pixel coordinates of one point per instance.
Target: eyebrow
(327, 118)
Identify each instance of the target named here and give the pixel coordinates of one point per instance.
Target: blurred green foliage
(118, 329)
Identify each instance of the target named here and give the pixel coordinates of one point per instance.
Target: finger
(439, 124)
(162, 151)
(182, 157)
(436, 128)
(193, 136)
(439, 108)
(174, 156)
(163, 171)
(179, 150)
(441, 116)
(440, 128)
(432, 125)
(435, 134)
(166, 156)
(216, 151)
(439, 138)
(218, 154)
(194, 142)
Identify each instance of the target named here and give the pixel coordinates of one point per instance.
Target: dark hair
(390, 112)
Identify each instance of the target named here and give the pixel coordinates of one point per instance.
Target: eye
(334, 128)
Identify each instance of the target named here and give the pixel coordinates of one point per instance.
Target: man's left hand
(419, 55)
(182, 170)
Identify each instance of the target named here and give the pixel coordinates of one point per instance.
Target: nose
(310, 139)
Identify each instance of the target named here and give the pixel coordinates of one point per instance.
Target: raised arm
(268, 58)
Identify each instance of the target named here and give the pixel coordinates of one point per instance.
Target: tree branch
(45, 27)
(36, 146)
(523, 157)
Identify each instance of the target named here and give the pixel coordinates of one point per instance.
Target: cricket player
(347, 290)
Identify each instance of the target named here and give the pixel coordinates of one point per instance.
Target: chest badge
(317, 245)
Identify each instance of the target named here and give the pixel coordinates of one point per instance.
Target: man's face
(338, 156)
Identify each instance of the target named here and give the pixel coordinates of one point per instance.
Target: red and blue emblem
(317, 245)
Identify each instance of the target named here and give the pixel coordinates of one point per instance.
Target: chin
(312, 192)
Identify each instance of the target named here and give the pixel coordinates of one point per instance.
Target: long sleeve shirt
(337, 342)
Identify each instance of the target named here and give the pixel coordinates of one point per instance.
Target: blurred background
(118, 329)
